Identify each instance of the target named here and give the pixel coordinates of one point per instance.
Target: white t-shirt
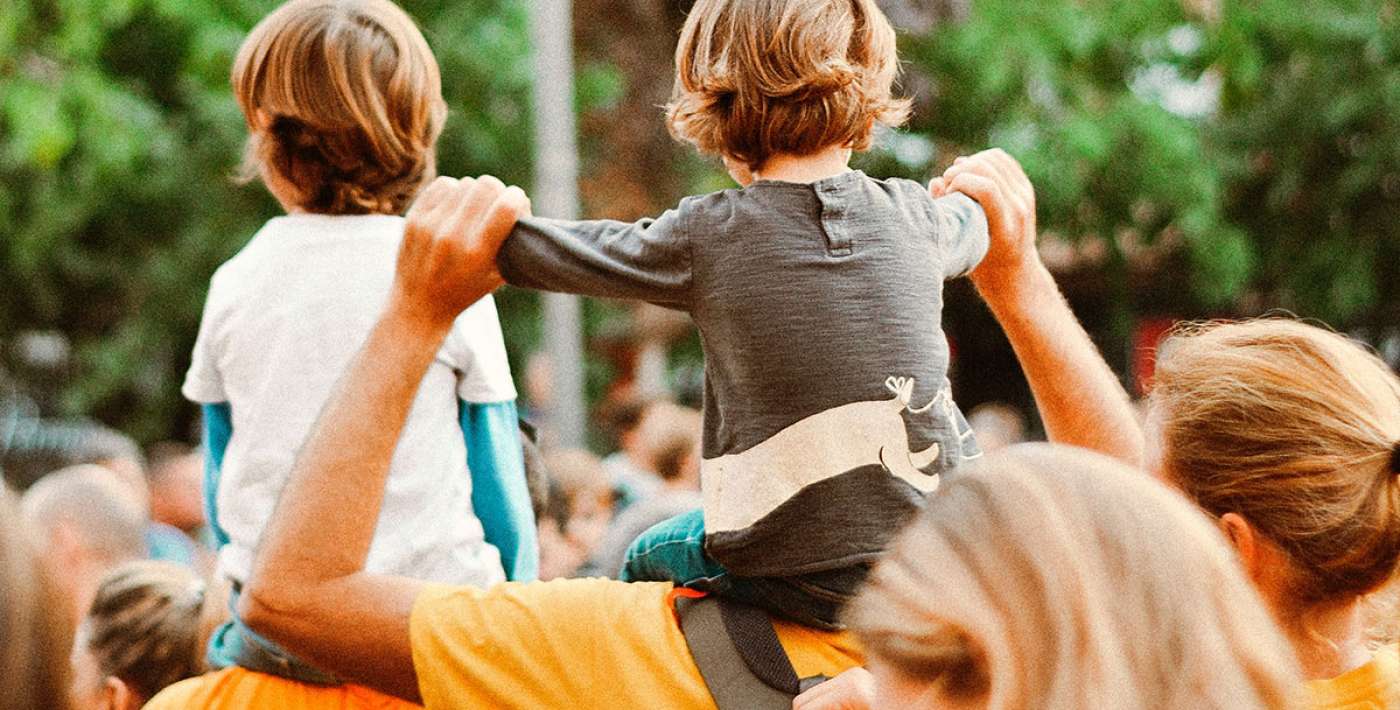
(283, 320)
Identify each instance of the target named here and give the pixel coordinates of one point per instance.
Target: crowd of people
(368, 522)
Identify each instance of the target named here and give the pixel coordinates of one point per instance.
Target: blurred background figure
(619, 419)
(33, 446)
(178, 532)
(576, 517)
(669, 437)
(34, 629)
(146, 629)
(87, 523)
(176, 479)
(648, 433)
(998, 425)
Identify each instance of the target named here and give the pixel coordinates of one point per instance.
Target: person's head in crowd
(145, 630)
(580, 507)
(35, 631)
(668, 436)
(998, 425)
(87, 524)
(1289, 436)
(1052, 578)
(118, 453)
(176, 478)
(745, 98)
(343, 102)
(40, 446)
(618, 418)
(536, 475)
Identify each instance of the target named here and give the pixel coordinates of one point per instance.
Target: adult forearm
(1081, 401)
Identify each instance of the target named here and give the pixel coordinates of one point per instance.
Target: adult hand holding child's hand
(998, 183)
(448, 257)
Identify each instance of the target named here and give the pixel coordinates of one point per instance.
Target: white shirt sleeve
(477, 351)
(203, 383)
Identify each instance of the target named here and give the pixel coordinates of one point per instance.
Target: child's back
(819, 307)
(344, 106)
(818, 294)
(282, 322)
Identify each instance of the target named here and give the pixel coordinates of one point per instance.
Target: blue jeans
(234, 644)
(674, 551)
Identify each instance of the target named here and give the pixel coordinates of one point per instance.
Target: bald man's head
(89, 506)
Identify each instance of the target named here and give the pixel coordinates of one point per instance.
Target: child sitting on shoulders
(344, 106)
(817, 291)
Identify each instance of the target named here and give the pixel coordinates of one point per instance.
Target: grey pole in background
(556, 195)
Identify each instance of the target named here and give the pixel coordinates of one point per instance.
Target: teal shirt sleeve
(500, 495)
(218, 428)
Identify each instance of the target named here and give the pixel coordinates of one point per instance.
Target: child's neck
(805, 168)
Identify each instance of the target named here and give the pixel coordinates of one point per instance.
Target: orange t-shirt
(1374, 686)
(575, 644)
(237, 689)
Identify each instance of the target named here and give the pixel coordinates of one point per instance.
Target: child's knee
(672, 550)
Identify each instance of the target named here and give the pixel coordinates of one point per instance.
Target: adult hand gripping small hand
(998, 183)
(448, 257)
(852, 690)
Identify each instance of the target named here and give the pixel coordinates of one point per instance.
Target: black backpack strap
(739, 655)
(751, 631)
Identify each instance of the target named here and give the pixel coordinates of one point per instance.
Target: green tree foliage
(1308, 137)
(1255, 140)
(118, 137)
(1260, 137)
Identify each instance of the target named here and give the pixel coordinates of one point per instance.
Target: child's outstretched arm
(962, 232)
(647, 260)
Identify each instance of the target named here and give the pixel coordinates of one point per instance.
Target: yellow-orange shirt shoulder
(577, 643)
(1374, 686)
(237, 689)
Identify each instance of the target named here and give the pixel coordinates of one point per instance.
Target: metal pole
(556, 195)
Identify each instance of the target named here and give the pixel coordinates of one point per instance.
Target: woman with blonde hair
(146, 630)
(1048, 577)
(1289, 436)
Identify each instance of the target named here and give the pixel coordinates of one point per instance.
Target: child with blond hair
(343, 102)
(817, 291)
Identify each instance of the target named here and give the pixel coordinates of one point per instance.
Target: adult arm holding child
(1081, 401)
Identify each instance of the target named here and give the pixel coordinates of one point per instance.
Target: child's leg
(673, 551)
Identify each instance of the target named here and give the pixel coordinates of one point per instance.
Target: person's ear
(263, 119)
(1241, 536)
(1266, 564)
(117, 695)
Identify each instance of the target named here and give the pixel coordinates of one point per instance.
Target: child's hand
(448, 257)
(852, 690)
(997, 182)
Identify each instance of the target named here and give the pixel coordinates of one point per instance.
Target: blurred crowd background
(1193, 158)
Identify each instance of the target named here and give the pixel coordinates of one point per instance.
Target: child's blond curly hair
(758, 78)
(344, 102)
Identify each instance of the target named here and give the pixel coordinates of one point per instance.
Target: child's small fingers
(938, 187)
